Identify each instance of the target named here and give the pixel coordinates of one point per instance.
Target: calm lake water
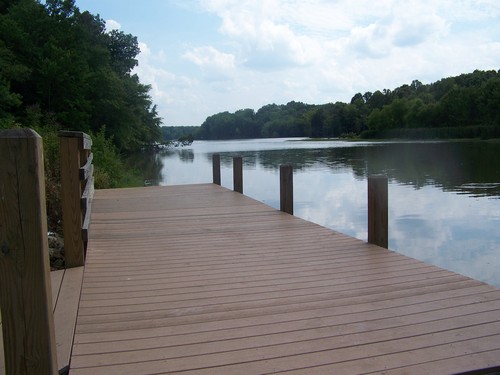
(444, 197)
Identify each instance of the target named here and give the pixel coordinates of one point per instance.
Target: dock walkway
(200, 279)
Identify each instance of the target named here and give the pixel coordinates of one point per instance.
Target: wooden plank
(25, 293)
(88, 194)
(201, 279)
(283, 331)
(86, 205)
(56, 278)
(86, 224)
(65, 314)
(87, 169)
(258, 348)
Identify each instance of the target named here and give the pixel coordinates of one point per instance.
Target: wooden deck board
(200, 279)
(65, 313)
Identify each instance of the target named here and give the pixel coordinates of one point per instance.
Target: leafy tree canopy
(61, 63)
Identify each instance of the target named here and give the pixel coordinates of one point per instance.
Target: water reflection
(444, 205)
(466, 167)
(149, 164)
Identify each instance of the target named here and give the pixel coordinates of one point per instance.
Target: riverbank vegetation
(60, 69)
(465, 106)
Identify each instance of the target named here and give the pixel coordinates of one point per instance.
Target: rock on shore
(56, 251)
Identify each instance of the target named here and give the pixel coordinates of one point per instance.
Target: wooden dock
(199, 279)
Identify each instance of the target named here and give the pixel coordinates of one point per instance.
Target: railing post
(238, 174)
(378, 231)
(25, 291)
(71, 192)
(286, 189)
(216, 168)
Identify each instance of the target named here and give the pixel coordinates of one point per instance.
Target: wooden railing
(77, 184)
(378, 228)
(25, 290)
(25, 293)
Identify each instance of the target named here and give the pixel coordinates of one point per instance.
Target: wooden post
(286, 189)
(238, 174)
(25, 291)
(378, 231)
(216, 168)
(71, 192)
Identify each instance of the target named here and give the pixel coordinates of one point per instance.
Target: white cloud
(167, 89)
(216, 67)
(266, 41)
(256, 52)
(112, 25)
(208, 56)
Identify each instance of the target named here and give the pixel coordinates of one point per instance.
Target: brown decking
(200, 279)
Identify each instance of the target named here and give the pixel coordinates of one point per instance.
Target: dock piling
(216, 168)
(378, 232)
(286, 189)
(238, 174)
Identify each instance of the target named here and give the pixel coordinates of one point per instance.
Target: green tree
(123, 49)
(318, 123)
(63, 61)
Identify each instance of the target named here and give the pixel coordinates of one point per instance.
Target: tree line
(59, 67)
(465, 106)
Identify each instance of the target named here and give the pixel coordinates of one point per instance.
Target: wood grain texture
(85, 141)
(200, 279)
(71, 192)
(25, 292)
(56, 280)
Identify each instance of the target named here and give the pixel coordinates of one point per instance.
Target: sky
(202, 57)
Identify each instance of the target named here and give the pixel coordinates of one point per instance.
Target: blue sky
(203, 57)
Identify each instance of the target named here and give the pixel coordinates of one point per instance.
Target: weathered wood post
(25, 291)
(378, 231)
(286, 189)
(238, 174)
(74, 152)
(216, 168)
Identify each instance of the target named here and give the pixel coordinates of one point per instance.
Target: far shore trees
(466, 106)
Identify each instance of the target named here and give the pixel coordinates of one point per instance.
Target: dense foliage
(173, 133)
(61, 70)
(466, 106)
(59, 66)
